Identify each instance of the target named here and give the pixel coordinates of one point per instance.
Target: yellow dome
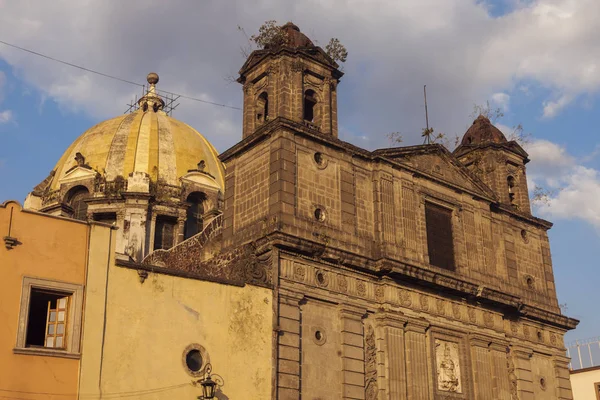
(143, 141)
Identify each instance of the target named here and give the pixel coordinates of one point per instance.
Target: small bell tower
(292, 79)
(500, 163)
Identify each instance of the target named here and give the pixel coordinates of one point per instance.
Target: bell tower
(290, 79)
(500, 163)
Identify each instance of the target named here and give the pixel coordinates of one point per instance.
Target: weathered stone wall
(384, 339)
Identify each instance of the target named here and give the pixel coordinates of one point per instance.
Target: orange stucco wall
(50, 248)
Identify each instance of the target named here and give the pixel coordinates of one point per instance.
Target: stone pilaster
(500, 378)
(522, 362)
(353, 362)
(561, 368)
(289, 349)
(417, 368)
(482, 369)
(392, 370)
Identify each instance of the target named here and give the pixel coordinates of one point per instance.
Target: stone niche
(448, 366)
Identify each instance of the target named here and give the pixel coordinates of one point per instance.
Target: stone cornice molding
(422, 276)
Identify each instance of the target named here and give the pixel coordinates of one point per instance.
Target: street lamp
(209, 386)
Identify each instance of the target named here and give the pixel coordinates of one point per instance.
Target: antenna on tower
(426, 131)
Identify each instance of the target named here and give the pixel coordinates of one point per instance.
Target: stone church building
(302, 266)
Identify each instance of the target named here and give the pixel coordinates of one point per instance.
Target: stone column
(353, 355)
(180, 229)
(417, 367)
(152, 231)
(288, 348)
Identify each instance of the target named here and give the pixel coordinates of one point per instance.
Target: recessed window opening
(194, 213)
(310, 101)
(76, 199)
(164, 232)
(440, 244)
(47, 319)
(510, 181)
(262, 106)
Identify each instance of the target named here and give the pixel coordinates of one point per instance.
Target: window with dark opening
(310, 101)
(47, 320)
(193, 221)
(106, 218)
(262, 106)
(164, 232)
(77, 200)
(510, 181)
(438, 222)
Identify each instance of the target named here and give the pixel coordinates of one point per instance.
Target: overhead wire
(114, 395)
(105, 75)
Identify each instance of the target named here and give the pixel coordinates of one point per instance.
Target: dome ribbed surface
(149, 142)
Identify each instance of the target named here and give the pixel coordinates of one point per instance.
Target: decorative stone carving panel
(448, 366)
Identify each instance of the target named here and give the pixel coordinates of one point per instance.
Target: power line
(110, 76)
(113, 395)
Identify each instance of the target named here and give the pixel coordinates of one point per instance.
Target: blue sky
(537, 60)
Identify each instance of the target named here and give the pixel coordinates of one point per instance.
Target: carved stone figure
(370, 364)
(448, 368)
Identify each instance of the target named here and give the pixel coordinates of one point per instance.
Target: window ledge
(33, 351)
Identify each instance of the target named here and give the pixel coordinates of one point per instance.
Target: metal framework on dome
(169, 99)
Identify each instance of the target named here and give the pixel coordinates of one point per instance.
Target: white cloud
(6, 116)
(463, 54)
(501, 100)
(573, 189)
(552, 108)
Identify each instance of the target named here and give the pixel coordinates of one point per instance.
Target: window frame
(451, 210)
(74, 317)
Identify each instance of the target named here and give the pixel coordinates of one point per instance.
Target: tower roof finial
(151, 100)
(152, 78)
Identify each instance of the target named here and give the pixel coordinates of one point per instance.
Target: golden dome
(142, 141)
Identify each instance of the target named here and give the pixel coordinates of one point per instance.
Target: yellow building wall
(50, 248)
(150, 324)
(583, 384)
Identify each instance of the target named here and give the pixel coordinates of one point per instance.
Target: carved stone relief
(379, 293)
(441, 306)
(361, 288)
(299, 272)
(512, 377)
(472, 316)
(424, 301)
(488, 319)
(405, 299)
(447, 366)
(456, 311)
(342, 283)
(370, 364)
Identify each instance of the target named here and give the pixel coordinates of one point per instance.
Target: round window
(193, 360)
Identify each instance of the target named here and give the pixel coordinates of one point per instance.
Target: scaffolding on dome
(170, 100)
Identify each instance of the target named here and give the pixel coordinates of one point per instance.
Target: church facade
(303, 267)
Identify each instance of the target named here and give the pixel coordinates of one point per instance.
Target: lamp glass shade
(208, 388)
